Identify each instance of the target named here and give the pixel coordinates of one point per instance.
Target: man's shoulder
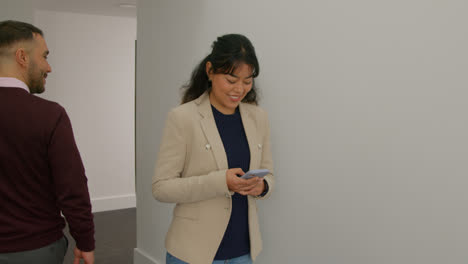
(19, 97)
(39, 104)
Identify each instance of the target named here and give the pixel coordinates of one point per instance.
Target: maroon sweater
(41, 175)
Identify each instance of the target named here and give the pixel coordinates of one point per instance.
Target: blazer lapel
(250, 129)
(210, 130)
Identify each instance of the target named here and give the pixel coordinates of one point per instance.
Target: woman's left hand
(256, 190)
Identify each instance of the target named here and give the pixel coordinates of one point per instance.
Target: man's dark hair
(14, 31)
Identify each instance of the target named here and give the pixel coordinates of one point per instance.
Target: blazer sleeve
(168, 185)
(267, 160)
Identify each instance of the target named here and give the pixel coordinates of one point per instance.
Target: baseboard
(113, 202)
(141, 257)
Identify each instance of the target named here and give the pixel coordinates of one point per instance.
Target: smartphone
(255, 173)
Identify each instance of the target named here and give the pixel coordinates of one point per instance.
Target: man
(41, 172)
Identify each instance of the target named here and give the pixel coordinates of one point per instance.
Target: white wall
(367, 101)
(93, 67)
(21, 10)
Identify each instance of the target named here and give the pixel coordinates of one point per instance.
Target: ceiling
(96, 7)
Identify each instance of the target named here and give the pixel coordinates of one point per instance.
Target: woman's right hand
(239, 185)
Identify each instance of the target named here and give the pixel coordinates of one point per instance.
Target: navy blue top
(236, 240)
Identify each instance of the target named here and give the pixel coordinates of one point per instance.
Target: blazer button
(259, 146)
(208, 146)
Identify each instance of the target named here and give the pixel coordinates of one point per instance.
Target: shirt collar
(13, 82)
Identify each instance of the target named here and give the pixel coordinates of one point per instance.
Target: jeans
(245, 259)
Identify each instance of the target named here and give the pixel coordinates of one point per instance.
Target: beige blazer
(191, 172)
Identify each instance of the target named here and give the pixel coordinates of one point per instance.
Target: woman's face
(228, 90)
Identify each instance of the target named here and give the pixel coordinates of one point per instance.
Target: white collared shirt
(12, 82)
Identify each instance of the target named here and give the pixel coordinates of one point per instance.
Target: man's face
(38, 65)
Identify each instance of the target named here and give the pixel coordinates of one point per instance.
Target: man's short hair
(12, 32)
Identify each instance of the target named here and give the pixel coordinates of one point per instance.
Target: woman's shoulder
(184, 111)
(255, 110)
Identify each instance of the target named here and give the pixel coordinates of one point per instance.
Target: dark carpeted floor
(115, 237)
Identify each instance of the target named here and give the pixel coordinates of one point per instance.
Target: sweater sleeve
(70, 183)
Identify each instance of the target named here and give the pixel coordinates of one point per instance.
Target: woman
(215, 136)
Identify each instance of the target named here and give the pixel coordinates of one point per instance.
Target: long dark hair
(228, 52)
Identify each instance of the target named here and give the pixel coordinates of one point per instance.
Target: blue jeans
(245, 259)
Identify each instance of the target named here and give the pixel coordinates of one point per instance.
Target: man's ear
(22, 57)
(209, 69)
